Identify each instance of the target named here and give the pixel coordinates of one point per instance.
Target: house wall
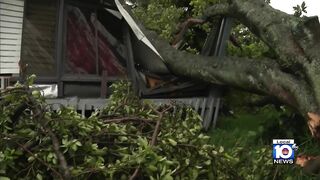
(11, 20)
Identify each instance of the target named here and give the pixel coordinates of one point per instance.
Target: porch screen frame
(61, 78)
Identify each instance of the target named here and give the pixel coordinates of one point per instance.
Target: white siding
(11, 20)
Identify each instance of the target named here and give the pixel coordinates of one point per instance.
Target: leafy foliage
(164, 17)
(300, 9)
(128, 138)
(160, 16)
(249, 45)
(198, 6)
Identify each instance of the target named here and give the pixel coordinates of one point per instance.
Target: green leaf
(39, 176)
(221, 149)
(4, 178)
(78, 143)
(30, 159)
(172, 142)
(30, 79)
(152, 168)
(187, 161)
(168, 177)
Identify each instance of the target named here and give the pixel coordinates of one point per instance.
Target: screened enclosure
(72, 44)
(79, 47)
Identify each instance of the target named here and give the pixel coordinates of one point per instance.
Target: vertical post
(94, 17)
(2, 83)
(83, 110)
(215, 46)
(22, 65)
(130, 59)
(60, 45)
(104, 83)
(215, 118)
(210, 112)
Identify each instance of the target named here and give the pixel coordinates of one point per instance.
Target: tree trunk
(295, 40)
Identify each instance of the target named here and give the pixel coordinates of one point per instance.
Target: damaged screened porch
(78, 48)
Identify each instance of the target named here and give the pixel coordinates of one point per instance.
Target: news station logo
(283, 151)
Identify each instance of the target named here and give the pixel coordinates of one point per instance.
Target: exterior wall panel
(11, 22)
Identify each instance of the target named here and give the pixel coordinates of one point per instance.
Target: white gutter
(135, 28)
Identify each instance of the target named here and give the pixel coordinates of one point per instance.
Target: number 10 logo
(283, 151)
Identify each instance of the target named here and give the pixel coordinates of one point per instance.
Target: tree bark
(295, 40)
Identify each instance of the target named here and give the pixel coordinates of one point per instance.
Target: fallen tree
(293, 77)
(128, 139)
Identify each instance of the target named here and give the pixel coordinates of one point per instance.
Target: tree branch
(263, 75)
(183, 27)
(128, 119)
(154, 136)
(62, 160)
(135, 173)
(273, 27)
(38, 114)
(215, 10)
(40, 160)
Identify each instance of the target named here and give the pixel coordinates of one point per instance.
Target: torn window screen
(88, 50)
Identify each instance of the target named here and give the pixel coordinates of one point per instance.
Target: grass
(237, 130)
(255, 131)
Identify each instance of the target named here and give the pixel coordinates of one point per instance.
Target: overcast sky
(313, 6)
